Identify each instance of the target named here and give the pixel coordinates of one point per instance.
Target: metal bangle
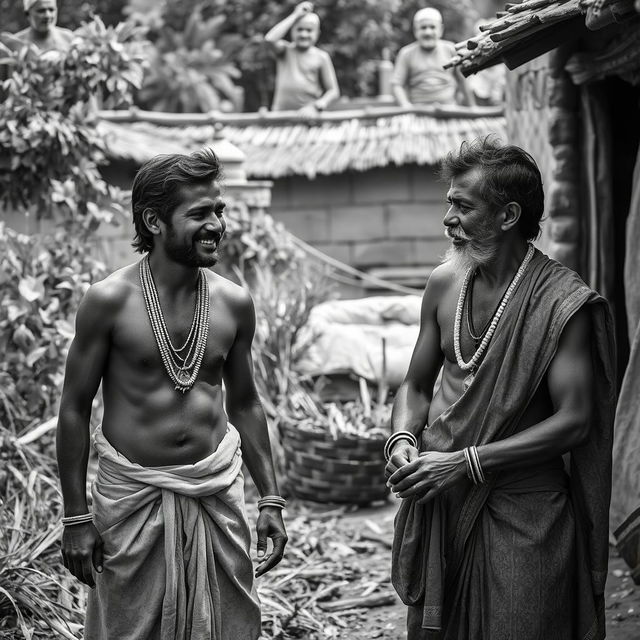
(394, 438)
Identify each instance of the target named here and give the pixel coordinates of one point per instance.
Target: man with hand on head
(419, 76)
(305, 77)
(42, 31)
(501, 444)
(166, 545)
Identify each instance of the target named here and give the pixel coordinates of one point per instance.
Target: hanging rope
(345, 268)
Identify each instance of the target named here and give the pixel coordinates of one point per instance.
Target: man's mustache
(455, 234)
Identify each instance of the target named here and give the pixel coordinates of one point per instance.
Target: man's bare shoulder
(236, 296)
(442, 278)
(113, 291)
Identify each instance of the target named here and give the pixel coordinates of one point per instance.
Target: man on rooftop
(419, 76)
(42, 31)
(305, 78)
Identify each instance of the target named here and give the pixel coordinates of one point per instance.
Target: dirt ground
(388, 622)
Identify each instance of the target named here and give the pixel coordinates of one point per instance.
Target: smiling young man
(42, 31)
(305, 77)
(419, 76)
(166, 545)
(497, 535)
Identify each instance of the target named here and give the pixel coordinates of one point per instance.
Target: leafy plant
(38, 597)
(42, 279)
(48, 139)
(191, 69)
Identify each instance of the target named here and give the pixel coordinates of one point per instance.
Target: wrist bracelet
(474, 468)
(81, 519)
(394, 438)
(272, 501)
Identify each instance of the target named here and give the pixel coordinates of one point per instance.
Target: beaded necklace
(182, 367)
(472, 364)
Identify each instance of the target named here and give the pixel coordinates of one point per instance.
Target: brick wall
(385, 221)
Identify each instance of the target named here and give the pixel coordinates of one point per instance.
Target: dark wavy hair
(157, 183)
(510, 175)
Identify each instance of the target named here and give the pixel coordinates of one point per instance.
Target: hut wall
(542, 118)
(385, 221)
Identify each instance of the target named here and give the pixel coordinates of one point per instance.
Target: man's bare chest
(135, 342)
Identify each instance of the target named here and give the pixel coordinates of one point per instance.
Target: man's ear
(151, 220)
(510, 214)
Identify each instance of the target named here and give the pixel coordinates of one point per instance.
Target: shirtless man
(42, 31)
(511, 370)
(419, 76)
(163, 336)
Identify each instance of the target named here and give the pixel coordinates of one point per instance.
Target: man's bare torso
(451, 385)
(58, 39)
(145, 417)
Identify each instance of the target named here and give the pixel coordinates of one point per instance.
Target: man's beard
(475, 252)
(187, 255)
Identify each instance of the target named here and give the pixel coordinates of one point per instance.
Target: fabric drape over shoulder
(514, 366)
(625, 504)
(176, 549)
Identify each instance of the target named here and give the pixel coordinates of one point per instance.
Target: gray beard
(469, 256)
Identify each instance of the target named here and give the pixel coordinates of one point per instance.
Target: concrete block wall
(381, 221)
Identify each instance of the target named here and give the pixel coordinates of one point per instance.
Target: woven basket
(323, 469)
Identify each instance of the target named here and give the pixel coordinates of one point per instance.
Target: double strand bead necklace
(472, 364)
(182, 367)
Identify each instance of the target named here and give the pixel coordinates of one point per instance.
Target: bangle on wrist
(394, 438)
(474, 468)
(81, 519)
(272, 501)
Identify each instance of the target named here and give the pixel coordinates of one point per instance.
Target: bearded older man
(42, 31)
(501, 444)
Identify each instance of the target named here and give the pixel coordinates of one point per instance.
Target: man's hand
(401, 454)
(81, 548)
(303, 7)
(308, 112)
(428, 475)
(270, 525)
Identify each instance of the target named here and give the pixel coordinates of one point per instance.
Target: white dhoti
(176, 549)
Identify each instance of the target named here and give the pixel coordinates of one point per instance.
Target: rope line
(361, 275)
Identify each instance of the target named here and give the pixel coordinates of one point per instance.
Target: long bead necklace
(477, 339)
(182, 367)
(472, 364)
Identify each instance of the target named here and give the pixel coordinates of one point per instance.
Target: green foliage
(191, 67)
(42, 279)
(49, 144)
(38, 597)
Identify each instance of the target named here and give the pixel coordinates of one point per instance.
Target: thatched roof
(277, 146)
(526, 30)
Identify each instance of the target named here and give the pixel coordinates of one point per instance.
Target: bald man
(419, 75)
(305, 78)
(42, 31)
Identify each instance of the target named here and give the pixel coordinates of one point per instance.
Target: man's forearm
(401, 95)
(72, 450)
(256, 448)
(280, 30)
(550, 438)
(327, 98)
(410, 410)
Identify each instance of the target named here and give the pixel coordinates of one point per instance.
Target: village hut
(573, 102)
(358, 186)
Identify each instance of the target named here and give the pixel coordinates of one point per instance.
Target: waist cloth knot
(176, 549)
